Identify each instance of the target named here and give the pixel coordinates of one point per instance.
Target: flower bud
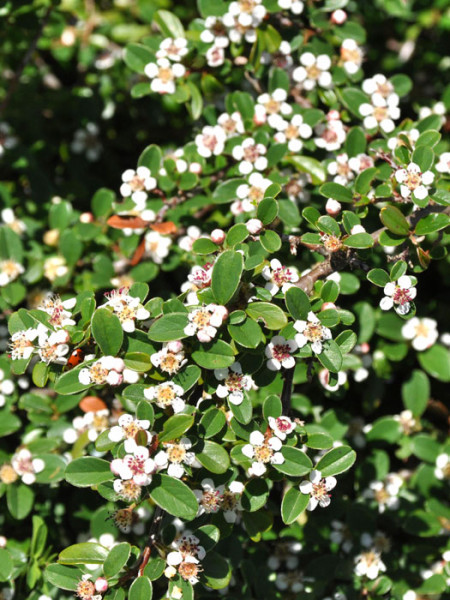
(51, 237)
(86, 217)
(195, 167)
(333, 207)
(357, 229)
(365, 348)
(175, 346)
(218, 236)
(328, 306)
(101, 584)
(3, 541)
(338, 17)
(254, 226)
(333, 115)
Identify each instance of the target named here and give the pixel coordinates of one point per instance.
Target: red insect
(75, 358)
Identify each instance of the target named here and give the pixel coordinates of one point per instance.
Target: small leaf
(87, 471)
(83, 554)
(107, 331)
(169, 327)
(336, 461)
(271, 315)
(173, 496)
(336, 191)
(394, 220)
(297, 303)
(293, 504)
(226, 275)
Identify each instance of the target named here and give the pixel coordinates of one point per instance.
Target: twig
(25, 60)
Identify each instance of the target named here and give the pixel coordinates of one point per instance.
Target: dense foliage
(223, 284)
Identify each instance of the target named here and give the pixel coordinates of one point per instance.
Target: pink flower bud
(333, 115)
(195, 167)
(365, 348)
(333, 207)
(101, 585)
(328, 306)
(324, 377)
(254, 226)
(175, 346)
(218, 236)
(86, 217)
(357, 229)
(338, 17)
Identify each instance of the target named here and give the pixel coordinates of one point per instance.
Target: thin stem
(286, 392)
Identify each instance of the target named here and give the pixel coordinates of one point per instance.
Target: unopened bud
(101, 584)
(338, 17)
(86, 217)
(254, 226)
(333, 207)
(51, 237)
(357, 229)
(365, 348)
(195, 167)
(333, 115)
(328, 306)
(218, 236)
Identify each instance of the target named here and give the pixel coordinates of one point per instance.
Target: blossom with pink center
(9, 271)
(201, 276)
(232, 123)
(127, 429)
(330, 135)
(279, 352)
(250, 194)
(369, 564)
(312, 332)
(127, 308)
(279, 277)
(230, 502)
(215, 32)
(209, 497)
(262, 452)
(26, 466)
(399, 295)
(167, 394)
(170, 358)
(211, 141)
(281, 426)
(107, 369)
(53, 346)
(204, 322)
(136, 184)
(380, 113)
(314, 70)
(193, 233)
(175, 456)
(250, 155)
(414, 183)
(234, 383)
(157, 246)
(318, 487)
(60, 316)
(215, 56)
(137, 466)
(173, 49)
(254, 226)
(21, 345)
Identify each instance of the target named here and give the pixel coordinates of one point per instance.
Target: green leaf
(175, 426)
(169, 24)
(309, 165)
(137, 56)
(270, 241)
(83, 554)
(10, 244)
(212, 422)
(422, 524)
(102, 202)
(236, 234)
(436, 362)
(394, 220)
(296, 462)
(107, 331)
(416, 392)
(402, 84)
(65, 578)
(378, 277)
(212, 8)
(267, 210)
(38, 538)
(297, 303)
(226, 275)
(428, 138)
(271, 315)
(346, 341)
(87, 471)
(364, 180)
(318, 438)
(19, 499)
(293, 504)
(242, 412)
(169, 327)
(359, 240)
(336, 461)
(436, 584)
(213, 457)
(272, 407)
(248, 334)
(355, 142)
(6, 564)
(173, 496)
(255, 495)
(138, 361)
(217, 571)
(188, 377)
(353, 98)
(432, 223)
(424, 157)
(204, 246)
(226, 192)
(141, 589)
(329, 291)
(151, 158)
(331, 356)
(68, 383)
(336, 191)
(215, 355)
(391, 239)
(386, 429)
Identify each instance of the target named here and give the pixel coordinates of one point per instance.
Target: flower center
(211, 501)
(210, 141)
(384, 89)
(19, 346)
(123, 518)
(251, 153)
(229, 501)
(272, 106)
(85, 590)
(380, 113)
(313, 72)
(331, 242)
(413, 180)
(201, 318)
(330, 135)
(349, 55)
(169, 363)
(165, 74)
(131, 430)
(10, 268)
(291, 132)
(234, 381)
(137, 183)
(130, 490)
(126, 313)
(401, 296)
(98, 374)
(187, 570)
(136, 464)
(283, 424)
(263, 453)
(313, 332)
(282, 275)
(281, 352)
(255, 194)
(319, 490)
(48, 352)
(176, 453)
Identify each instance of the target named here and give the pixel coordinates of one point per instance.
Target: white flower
(26, 466)
(186, 242)
(173, 49)
(234, 383)
(209, 498)
(136, 184)
(6, 388)
(251, 156)
(331, 135)
(157, 246)
(262, 452)
(341, 169)
(92, 422)
(215, 56)
(379, 87)
(7, 141)
(271, 106)
(442, 470)
(279, 352)
(443, 166)
(254, 226)
(295, 6)
(293, 132)
(231, 124)
(60, 316)
(281, 426)
(175, 456)
(230, 502)
(211, 141)
(136, 466)
(127, 308)
(21, 345)
(317, 487)
(313, 332)
(399, 295)
(278, 276)
(127, 429)
(351, 56)
(422, 332)
(55, 266)
(413, 182)
(215, 32)
(9, 271)
(9, 218)
(242, 19)
(204, 322)
(167, 394)
(324, 378)
(185, 558)
(369, 564)
(250, 194)
(170, 359)
(53, 346)
(385, 493)
(163, 75)
(412, 136)
(314, 71)
(107, 369)
(380, 113)
(86, 141)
